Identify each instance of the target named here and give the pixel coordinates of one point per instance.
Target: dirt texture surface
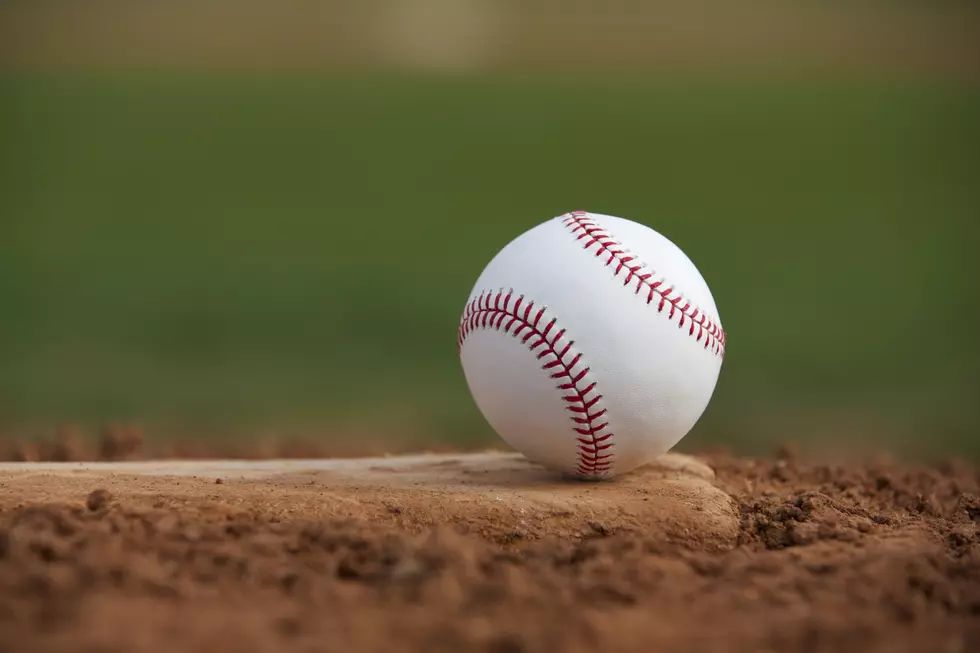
(484, 552)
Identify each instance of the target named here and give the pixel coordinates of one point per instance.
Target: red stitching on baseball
(588, 230)
(491, 310)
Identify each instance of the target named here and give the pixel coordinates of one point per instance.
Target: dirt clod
(97, 500)
(120, 442)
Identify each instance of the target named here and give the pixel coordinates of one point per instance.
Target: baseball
(591, 344)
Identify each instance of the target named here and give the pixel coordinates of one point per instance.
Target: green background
(245, 255)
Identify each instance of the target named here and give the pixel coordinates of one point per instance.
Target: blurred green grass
(235, 253)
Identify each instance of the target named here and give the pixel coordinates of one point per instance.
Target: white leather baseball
(591, 344)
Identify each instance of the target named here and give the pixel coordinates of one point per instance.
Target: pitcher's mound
(498, 495)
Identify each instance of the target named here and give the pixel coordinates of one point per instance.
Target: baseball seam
(584, 228)
(496, 311)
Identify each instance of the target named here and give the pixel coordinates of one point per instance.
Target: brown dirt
(490, 554)
(116, 441)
